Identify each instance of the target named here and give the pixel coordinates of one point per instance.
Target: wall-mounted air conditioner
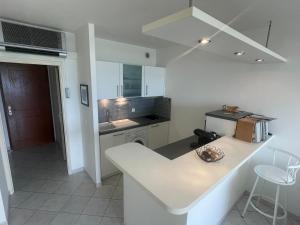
(25, 38)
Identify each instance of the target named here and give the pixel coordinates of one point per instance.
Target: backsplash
(122, 108)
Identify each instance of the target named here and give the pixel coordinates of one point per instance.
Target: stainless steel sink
(106, 126)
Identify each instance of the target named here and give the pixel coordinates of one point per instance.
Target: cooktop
(177, 149)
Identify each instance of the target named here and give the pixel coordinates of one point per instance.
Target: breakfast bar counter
(159, 191)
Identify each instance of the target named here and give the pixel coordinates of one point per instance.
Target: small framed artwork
(84, 94)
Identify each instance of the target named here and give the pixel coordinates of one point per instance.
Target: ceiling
(122, 20)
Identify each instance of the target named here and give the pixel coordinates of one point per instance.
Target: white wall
(85, 42)
(73, 121)
(4, 194)
(206, 82)
(54, 87)
(2, 113)
(107, 50)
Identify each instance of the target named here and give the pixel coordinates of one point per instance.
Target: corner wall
(85, 42)
(201, 82)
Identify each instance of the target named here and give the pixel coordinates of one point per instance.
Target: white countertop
(181, 183)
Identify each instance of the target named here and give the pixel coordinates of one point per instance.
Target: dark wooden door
(27, 104)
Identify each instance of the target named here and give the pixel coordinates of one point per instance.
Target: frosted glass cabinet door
(108, 80)
(132, 80)
(154, 81)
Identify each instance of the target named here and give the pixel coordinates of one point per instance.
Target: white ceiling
(122, 20)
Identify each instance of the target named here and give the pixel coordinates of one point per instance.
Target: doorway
(32, 109)
(27, 105)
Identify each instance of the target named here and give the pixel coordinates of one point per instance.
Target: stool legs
(276, 204)
(250, 197)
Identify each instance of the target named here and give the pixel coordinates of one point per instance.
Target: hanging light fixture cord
(269, 32)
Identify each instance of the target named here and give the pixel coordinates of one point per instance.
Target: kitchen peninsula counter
(183, 190)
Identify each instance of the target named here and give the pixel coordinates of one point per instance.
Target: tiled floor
(46, 195)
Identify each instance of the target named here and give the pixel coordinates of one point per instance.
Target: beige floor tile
(85, 189)
(41, 218)
(76, 204)
(65, 219)
(105, 191)
(88, 220)
(112, 221)
(96, 206)
(34, 185)
(115, 209)
(113, 180)
(18, 197)
(19, 216)
(55, 202)
(50, 186)
(234, 218)
(35, 201)
(254, 218)
(118, 193)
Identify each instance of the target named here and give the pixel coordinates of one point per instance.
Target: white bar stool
(282, 172)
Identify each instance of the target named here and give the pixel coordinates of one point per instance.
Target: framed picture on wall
(84, 94)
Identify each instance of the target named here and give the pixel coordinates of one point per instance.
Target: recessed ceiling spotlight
(204, 41)
(240, 53)
(259, 60)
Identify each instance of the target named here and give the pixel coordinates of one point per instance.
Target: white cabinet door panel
(158, 135)
(108, 80)
(154, 81)
(108, 141)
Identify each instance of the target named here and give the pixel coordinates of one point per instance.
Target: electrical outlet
(132, 109)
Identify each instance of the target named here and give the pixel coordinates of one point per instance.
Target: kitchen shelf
(190, 25)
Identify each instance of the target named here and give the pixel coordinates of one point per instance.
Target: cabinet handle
(121, 90)
(115, 135)
(117, 90)
(156, 125)
(146, 90)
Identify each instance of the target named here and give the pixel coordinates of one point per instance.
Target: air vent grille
(26, 35)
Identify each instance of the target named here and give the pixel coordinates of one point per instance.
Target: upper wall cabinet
(108, 80)
(116, 80)
(131, 76)
(154, 81)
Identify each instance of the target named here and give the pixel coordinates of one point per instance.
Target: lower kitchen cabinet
(158, 135)
(108, 141)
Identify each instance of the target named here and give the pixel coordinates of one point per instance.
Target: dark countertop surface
(177, 149)
(139, 122)
(228, 116)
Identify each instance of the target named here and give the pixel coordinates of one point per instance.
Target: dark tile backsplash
(118, 109)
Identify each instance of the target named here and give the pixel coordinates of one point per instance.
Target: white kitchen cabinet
(116, 80)
(132, 80)
(158, 135)
(154, 81)
(108, 80)
(108, 141)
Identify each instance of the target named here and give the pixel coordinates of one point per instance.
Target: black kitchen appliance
(179, 148)
(204, 138)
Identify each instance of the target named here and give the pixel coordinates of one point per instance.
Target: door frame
(10, 57)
